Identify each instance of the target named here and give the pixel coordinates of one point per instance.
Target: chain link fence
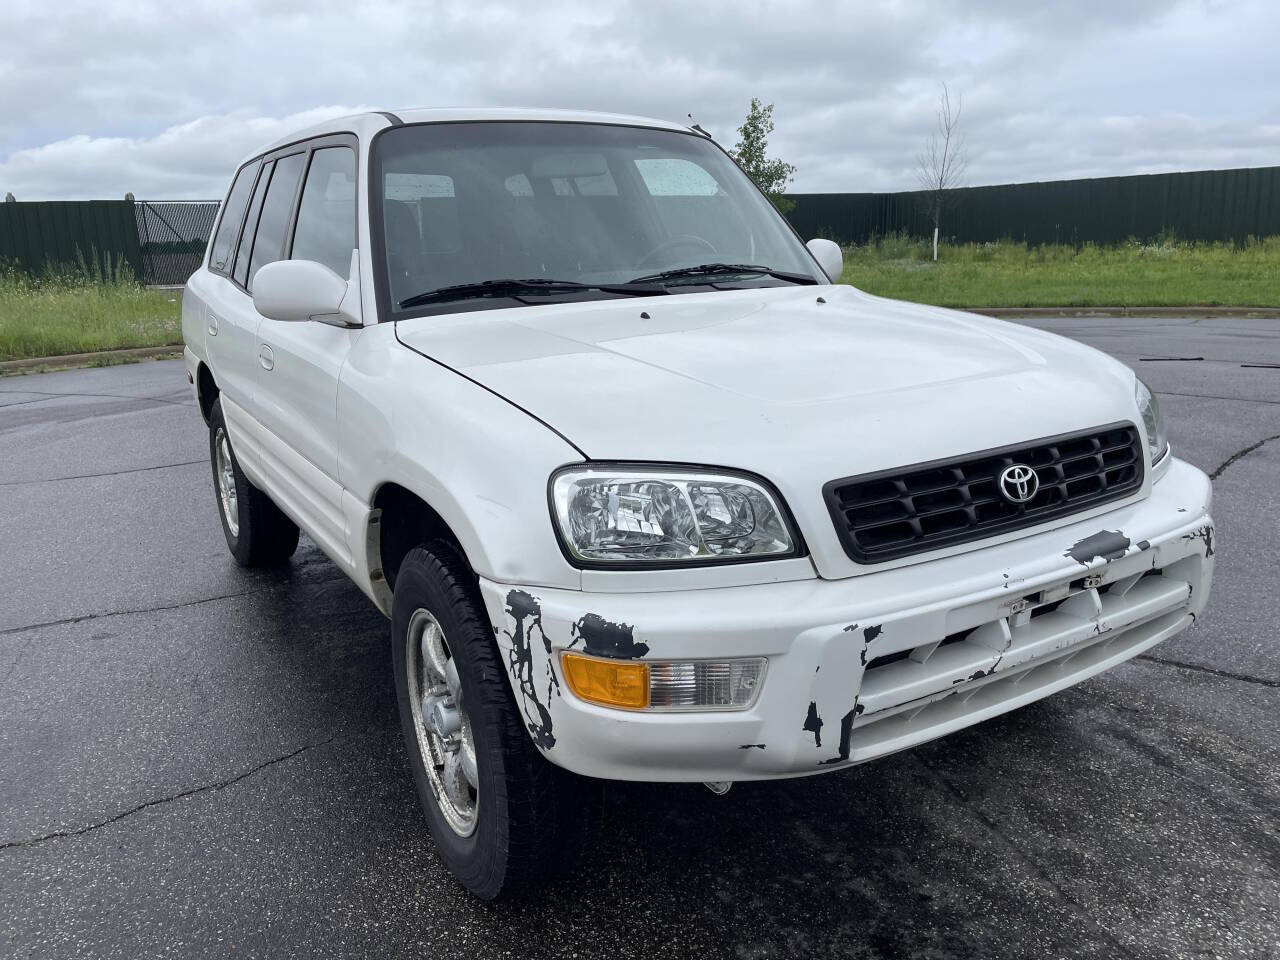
(172, 235)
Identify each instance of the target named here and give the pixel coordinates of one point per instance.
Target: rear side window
(326, 228)
(224, 242)
(268, 242)
(241, 272)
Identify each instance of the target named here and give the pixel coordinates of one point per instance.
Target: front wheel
(503, 818)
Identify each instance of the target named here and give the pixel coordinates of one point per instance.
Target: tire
(258, 533)
(531, 821)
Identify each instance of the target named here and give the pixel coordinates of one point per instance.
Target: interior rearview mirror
(829, 258)
(302, 290)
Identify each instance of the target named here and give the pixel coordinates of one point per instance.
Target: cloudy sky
(162, 99)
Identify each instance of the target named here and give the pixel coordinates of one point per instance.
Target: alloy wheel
(440, 720)
(226, 481)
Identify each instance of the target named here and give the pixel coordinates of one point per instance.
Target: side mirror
(828, 255)
(301, 290)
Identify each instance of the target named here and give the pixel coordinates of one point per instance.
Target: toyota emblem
(1019, 483)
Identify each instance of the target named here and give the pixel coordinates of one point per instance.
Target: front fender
(481, 463)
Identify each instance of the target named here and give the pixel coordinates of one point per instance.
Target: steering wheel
(683, 240)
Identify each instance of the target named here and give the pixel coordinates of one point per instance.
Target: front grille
(897, 513)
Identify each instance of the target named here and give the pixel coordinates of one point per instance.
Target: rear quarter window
(240, 273)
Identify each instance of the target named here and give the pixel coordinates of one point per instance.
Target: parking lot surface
(198, 760)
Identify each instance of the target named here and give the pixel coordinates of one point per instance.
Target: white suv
(645, 495)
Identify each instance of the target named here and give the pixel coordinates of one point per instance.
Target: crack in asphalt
(1240, 454)
(1212, 396)
(109, 473)
(1224, 674)
(190, 792)
(22, 652)
(1076, 908)
(44, 396)
(124, 613)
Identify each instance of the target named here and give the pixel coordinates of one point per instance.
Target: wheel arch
(400, 520)
(206, 390)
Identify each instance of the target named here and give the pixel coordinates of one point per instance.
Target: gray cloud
(162, 99)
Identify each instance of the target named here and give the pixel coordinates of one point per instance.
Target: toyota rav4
(646, 493)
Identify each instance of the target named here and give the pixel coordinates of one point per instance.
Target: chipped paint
(868, 636)
(604, 638)
(1105, 545)
(526, 615)
(752, 746)
(1205, 534)
(1144, 544)
(813, 723)
(846, 734)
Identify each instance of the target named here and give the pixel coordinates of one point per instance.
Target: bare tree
(941, 166)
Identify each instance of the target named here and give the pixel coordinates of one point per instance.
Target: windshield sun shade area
(579, 203)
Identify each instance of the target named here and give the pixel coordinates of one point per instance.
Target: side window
(241, 271)
(675, 177)
(423, 209)
(268, 242)
(519, 186)
(224, 242)
(599, 185)
(422, 229)
(326, 229)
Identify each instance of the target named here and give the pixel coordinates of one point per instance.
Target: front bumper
(863, 667)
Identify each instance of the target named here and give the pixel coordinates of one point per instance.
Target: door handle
(213, 325)
(266, 358)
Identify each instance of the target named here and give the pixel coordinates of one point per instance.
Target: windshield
(582, 204)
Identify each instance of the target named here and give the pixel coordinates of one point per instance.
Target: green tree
(751, 152)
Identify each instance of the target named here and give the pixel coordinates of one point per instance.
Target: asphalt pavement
(196, 760)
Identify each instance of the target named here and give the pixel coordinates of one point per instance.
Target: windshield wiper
(535, 286)
(713, 269)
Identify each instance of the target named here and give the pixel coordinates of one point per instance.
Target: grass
(80, 310)
(1007, 274)
(84, 308)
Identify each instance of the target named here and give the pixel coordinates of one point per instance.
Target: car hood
(799, 384)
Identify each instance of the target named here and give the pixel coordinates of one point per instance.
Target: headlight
(629, 515)
(1157, 438)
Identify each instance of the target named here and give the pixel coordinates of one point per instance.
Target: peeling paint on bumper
(863, 667)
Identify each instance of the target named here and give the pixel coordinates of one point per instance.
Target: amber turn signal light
(610, 683)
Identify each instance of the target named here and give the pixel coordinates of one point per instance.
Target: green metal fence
(1228, 205)
(158, 242)
(162, 242)
(60, 233)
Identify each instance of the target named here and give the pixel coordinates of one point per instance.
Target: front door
(301, 361)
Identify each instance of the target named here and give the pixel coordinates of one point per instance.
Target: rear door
(230, 356)
(297, 382)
